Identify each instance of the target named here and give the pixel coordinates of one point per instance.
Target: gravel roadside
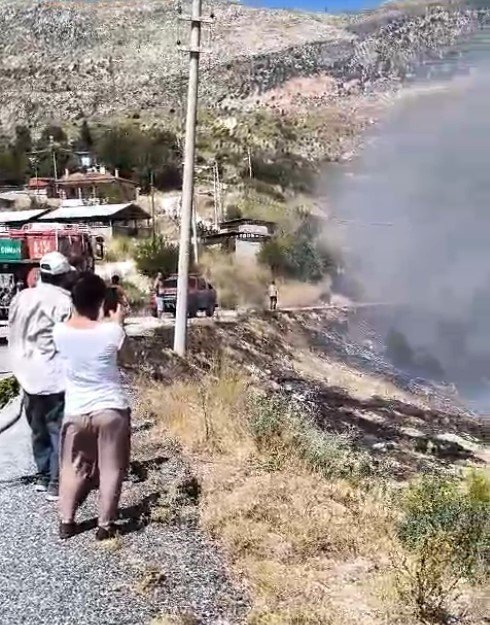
(164, 568)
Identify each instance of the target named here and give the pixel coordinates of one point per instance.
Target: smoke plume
(427, 174)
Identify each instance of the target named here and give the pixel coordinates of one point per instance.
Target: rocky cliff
(93, 59)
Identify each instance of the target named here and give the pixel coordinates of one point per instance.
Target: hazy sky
(314, 5)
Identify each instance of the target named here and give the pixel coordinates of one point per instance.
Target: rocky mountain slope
(93, 59)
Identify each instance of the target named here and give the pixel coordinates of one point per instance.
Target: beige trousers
(94, 452)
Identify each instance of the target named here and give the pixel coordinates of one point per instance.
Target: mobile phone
(111, 301)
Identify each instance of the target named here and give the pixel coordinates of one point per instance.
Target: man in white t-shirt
(273, 293)
(37, 364)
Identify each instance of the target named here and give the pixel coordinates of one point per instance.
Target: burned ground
(347, 388)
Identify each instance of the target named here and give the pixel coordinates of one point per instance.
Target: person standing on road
(158, 287)
(95, 437)
(121, 293)
(273, 293)
(37, 364)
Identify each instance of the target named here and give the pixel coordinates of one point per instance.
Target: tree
(23, 140)
(85, 140)
(154, 255)
(302, 255)
(139, 154)
(52, 138)
(12, 168)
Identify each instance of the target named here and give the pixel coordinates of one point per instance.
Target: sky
(315, 5)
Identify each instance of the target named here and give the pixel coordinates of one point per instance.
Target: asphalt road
(44, 580)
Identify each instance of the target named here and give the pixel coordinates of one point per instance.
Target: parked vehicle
(22, 249)
(201, 296)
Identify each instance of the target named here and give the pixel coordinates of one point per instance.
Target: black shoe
(52, 493)
(41, 483)
(106, 533)
(67, 530)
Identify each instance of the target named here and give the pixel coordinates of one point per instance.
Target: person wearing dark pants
(37, 364)
(273, 293)
(44, 415)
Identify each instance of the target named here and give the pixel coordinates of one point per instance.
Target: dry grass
(243, 283)
(119, 249)
(255, 505)
(206, 415)
(314, 548)
(240, 283)
(292, 293)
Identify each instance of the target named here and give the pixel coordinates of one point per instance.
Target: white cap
(55, 264)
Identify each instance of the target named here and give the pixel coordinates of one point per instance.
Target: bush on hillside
(154, 255)
(136, 297)
(459, 511)
(283, 432)
(139, 154)
(233, 212)
(301, 255)
(286, 171)
(446, 529)
(119, 249)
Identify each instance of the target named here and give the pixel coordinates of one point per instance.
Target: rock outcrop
(64, 61)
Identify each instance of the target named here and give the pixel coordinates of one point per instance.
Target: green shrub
(154, 255)
(233, 212)
(284, 170)
(451, 509)
(283, 431)
(138, 153)
(295, 256)
(119, 249)
(136, 297)
(427, 582)
(9, 389)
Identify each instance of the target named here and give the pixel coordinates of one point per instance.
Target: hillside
(67, 61)
(336, 491)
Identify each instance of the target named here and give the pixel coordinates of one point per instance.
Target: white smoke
(427, 173)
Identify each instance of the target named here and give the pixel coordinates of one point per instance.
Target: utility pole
(215, 185)
(152, 192)
(249, 158)
(195, 244)
(218, 189)
(55, 164)
(180, 334)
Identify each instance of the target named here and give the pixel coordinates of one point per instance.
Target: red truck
(22, 249)
(201, 296)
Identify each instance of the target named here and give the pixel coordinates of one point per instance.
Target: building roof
(97, 212)
(242, 221)
(10, 217)
(236, 234)
(80, 178)
(40, 183)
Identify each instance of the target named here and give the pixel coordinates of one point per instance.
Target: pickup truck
(201, 296)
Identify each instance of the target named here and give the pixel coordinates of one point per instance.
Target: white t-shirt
(93, 381)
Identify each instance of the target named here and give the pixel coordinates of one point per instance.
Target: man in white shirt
(273, 293)
(37, 364)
